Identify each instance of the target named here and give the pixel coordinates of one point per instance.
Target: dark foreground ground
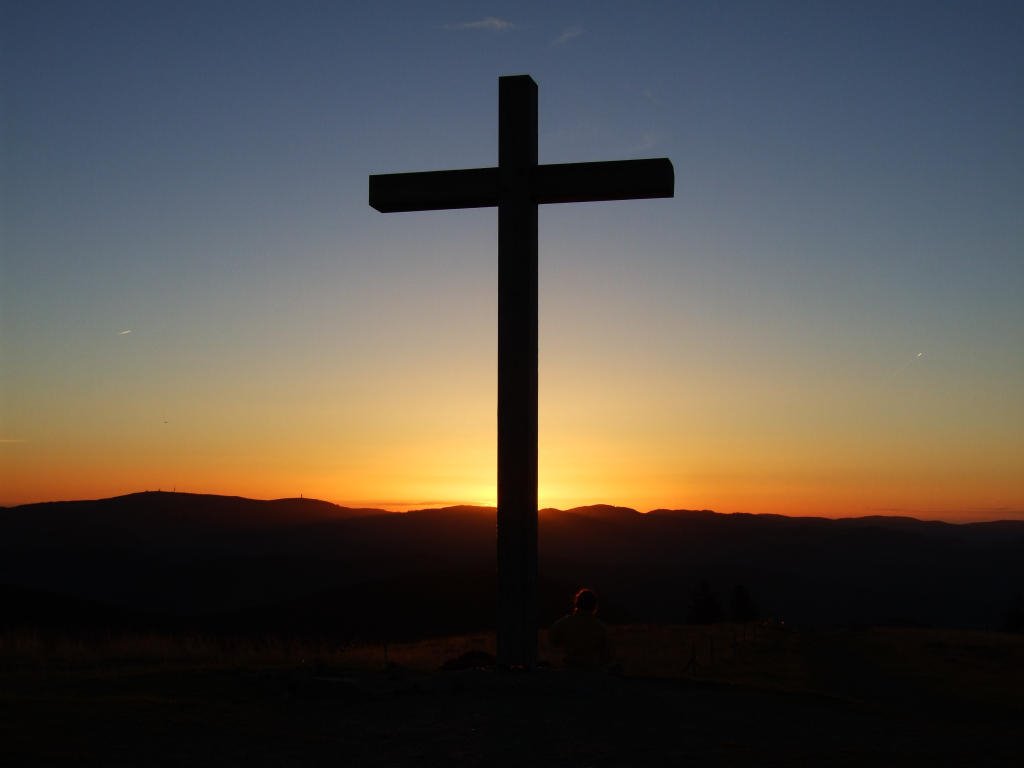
(781, 698)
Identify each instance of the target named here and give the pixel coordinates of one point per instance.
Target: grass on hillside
(861, 664)
(724, 694)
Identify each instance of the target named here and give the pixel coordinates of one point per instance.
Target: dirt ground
(780, 698)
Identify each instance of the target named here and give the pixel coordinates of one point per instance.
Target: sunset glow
(826, 320)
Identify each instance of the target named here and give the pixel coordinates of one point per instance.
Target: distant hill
(291, 565)
(154, 510)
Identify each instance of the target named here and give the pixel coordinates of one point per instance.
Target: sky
(826, 319)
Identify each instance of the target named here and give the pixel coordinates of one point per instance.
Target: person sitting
(581, 635)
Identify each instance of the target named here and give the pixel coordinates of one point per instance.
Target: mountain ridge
(328, 509)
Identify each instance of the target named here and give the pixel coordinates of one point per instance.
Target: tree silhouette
(743, 606)
(1014, 621)
(705, 607)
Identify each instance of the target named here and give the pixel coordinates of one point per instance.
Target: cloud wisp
(491, 24)
(567, 35)
(647, 142)
(649, 95)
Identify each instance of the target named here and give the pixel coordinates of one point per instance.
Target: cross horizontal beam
(434, 190)
(558, 183)
(611, 180)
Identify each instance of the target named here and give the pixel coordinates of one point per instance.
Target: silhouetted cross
(517, 186)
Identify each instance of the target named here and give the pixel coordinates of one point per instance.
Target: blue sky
(832, 300)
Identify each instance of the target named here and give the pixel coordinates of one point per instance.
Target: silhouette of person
(582, 637)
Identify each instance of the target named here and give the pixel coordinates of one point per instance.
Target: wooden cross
(517, 186)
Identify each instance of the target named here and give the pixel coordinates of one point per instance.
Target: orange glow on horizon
(792, 499)
(438, 449)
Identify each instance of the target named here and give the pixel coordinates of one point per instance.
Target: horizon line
(998, 514)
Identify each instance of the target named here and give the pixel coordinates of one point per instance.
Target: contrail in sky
(906, 363)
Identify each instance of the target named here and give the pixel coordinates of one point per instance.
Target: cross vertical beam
(517, 373)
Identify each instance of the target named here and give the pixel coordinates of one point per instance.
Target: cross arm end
(434, 190)
(614, 180)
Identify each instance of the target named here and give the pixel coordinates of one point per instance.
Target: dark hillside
(302, 564)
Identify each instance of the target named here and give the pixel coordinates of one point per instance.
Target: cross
(516, 186)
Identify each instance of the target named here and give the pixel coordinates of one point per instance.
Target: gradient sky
(827, 319)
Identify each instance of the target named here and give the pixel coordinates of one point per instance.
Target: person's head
(585, 601)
